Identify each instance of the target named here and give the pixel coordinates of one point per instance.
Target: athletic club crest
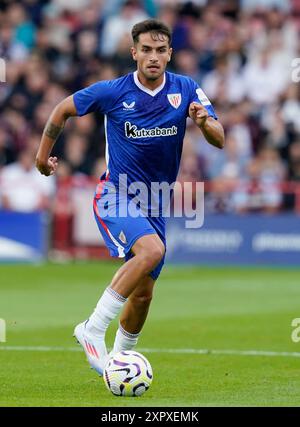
(174, 99)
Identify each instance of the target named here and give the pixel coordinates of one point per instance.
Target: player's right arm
(46, 164)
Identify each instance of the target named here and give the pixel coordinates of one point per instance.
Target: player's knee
(157, 252)
(143, 300)
(150, 251)
(152, 256)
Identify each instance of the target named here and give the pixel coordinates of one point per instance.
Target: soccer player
(145, 120)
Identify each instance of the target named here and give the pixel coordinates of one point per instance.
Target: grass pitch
(227, 311)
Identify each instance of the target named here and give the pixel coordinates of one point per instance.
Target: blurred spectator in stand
(238, 126)
(22, 188)
(24, 28)
(168, 15)
(186, 63)
(87, 45)
(120, 24)
(17, 127)
(99, 167)
(224, 82)
(54, 94)
(90, 17)
(225, 174)
(252, 5)
(275, 130)
(259, 77)
(187, 16)
(27, 97)
(150, 6)
(74, 5)
(88, 128)
(12, 76)
(10, 48)
(7, 153)
(58, 29)
(261, 188)
(32, 142)
(195, 145)
(34, 10)
(294, 161)
(291, 107)
(76, 154)
(292, 200)
(122, 59)
(41, 116)
(84, 125)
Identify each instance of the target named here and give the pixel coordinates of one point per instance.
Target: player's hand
(48, 168)
(198, 113)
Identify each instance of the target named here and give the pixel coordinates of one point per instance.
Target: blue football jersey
(144, 128)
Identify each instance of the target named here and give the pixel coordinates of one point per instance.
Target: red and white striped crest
(174, 99)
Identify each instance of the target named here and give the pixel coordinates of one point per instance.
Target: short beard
(152, 78)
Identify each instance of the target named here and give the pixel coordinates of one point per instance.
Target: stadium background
(241, 53)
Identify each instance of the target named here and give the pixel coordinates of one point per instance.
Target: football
(128, 373)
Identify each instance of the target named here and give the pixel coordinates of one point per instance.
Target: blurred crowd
(241, 52)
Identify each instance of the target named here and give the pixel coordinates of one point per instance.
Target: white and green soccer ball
(128, 373)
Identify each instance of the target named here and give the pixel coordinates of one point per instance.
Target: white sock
(108, 307)
(124, 340)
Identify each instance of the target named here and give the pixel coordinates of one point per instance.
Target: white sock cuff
(110, 303)
(128, 334)
(115, 294)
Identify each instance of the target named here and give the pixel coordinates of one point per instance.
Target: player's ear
(133, 52)
(170, 54)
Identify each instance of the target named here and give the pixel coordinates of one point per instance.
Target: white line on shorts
(201, 351)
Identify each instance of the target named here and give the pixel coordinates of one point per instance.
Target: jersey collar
(145, 89)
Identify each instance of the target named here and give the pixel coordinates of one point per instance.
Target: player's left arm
(212, 129)
(45, 164)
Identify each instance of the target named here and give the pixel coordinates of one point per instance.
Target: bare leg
(137, 306)
(148, 251)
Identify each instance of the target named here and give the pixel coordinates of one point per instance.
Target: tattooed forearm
(53, 131)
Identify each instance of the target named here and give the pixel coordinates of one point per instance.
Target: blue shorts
(121, 231)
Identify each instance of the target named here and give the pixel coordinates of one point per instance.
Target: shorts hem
(144, 233)
(113, 252)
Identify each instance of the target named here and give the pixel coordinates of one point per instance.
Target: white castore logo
(128, 106)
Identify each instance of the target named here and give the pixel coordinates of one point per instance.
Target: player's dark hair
(152, 26)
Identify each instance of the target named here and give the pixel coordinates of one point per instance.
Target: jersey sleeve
(97, 97)
(197, 95)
